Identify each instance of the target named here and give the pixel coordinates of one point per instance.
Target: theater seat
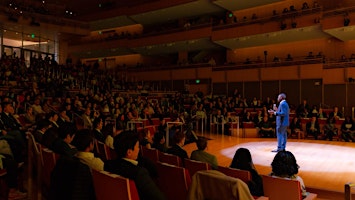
(280, 189)
(112, 187)
(173, 181)
(243, 175)
(169, 159)
(194, 166)
(212, 184)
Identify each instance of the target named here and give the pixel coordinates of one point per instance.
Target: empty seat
(280, 189)
(112, 187)
(243, 175)
(194, 166)
(169, 159)
(173, 181)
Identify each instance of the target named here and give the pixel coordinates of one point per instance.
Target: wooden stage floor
(325, 165)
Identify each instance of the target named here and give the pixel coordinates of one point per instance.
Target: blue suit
(282, 122)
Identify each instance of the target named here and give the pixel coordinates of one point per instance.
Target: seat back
(173, 181)
(280, 189)
(243, 175)
(194, 166)
(111, 187)
(152, 154)
(4, 189)
(101, 150)
(212, 184)
(169, 159)
(49, 160)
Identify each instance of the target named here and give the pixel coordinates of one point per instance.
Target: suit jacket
(145, 185)
(10, 122)
(99, 135)
(178, 151)
(61, 147)
(282, 114)
(71, 179)
(203, 156)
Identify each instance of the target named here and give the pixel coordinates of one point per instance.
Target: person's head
(201, 144)
(242, 159)
(179, 138)
(8, 108)
(52, 116)
(98, 123)
(281, 97)
(84, 140)
(284, 164)
(29, 110)
(67, 132)
(126, 145)
(336, 109)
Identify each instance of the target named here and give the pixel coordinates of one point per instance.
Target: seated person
(176, 149)
(242, 160)
(146, 141)
(220, 122)
(329, 129)
(127, 148)
(348, 129)
(285, 166)
(159, 142)
(110, 133)
(11, 166)
(313, 128)
(265, 128)
(336, 114)
(201, 155)
(84, 142)
(296, 127)
(41, 128)
(61, 145)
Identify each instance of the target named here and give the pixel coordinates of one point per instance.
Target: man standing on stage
(282, 122)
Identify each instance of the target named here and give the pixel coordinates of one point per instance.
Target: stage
(325, 165)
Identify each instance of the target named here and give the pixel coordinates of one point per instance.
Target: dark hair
(284, 164)
(51, 114)
(83, 138)
(96, 122)
(65, 129)
(125, 141)
(108, 130)
(178, 136)
(242, 160)
(201, 143)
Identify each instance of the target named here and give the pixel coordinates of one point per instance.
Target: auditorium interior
(154, 49)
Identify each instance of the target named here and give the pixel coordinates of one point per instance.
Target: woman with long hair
(242, 160)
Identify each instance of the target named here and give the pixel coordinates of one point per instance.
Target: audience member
(285, 166)
(329, 129)
(266, 128)
(348, 129)
(42, 126)
(159, 142)
(97, 125)
(62, 144)
(127, 148)
(201, 155)
(84, 143)
(296, 127)
(336, 114)
(242, 160)
(312, 128)
(177, 147)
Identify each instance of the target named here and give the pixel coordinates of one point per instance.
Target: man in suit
(282, 122)
(202, 155)
(127, 148)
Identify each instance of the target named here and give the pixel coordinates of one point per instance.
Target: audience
(177, 147)
(242, 160)
(127, 148)
(312, 128)
(329, 129)
(348, 129)
(84, 143)
(285, 166)
(201, 155)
